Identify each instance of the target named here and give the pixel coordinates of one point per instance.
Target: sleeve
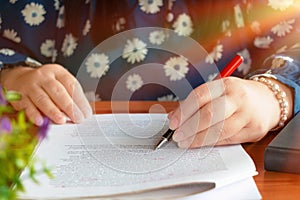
(9, 57)
(286, 67)
(24, 27)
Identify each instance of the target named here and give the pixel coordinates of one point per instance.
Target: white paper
(242, 190)
(113, 154)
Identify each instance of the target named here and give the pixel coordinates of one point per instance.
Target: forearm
(8, 75)
(282, 99)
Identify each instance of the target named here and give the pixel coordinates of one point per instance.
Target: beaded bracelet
(279, 94)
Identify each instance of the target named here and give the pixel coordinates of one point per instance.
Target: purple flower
(2, 97)
(42, 133)
(5, 125)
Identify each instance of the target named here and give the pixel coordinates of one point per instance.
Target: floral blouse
(146, 59)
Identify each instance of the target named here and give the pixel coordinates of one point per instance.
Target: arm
(242, 110)
(49, 90)
(227, 111)
(46, 89)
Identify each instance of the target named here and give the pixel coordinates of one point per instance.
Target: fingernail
(174, 123)
(185, 144)
(88, 112)
(78, 117)
(39, 121)
(60, 118)
(178, 136)
(170, 114)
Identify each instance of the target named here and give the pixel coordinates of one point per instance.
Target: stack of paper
(112, 156)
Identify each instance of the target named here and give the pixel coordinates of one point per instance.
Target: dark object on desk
(283, 153)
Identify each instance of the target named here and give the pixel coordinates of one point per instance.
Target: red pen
(231, 66)
(227, 71)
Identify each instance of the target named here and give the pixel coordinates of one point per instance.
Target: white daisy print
(157, 37)
(255, 27)
(56, 4)
(183, 25)
(32, 62)
(238, 16)
(13, 1)
(97, 65)
(134, 82)
(283, 28)
(48, 49)
(34, 14)
(296, 46)
(212, 76)
(61, 18)
(150, 6)
(263, 42)
(169, 97)
(246, 64)
(135, 51)
(280, 4)
(170, 17)
(278, 62)
(170, 4)
(69, 45)
(91, 96)
(11, 34)
(215, 54)
(1, 63)
(226, 27)
(281, 49)
(86, 28)
(209, 59)
(120, 24)
(176, 68)
(7, 52)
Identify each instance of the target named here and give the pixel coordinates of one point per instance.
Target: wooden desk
(272, 185)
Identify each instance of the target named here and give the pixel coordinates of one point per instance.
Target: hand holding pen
(179, 136)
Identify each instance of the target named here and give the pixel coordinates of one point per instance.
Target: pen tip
(162, 142)
(156, 148)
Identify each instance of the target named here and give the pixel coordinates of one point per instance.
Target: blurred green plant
(18, 139)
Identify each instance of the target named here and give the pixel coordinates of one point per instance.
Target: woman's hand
(49, 90)
(227, 111)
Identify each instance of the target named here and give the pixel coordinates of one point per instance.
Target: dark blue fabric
(207, 17)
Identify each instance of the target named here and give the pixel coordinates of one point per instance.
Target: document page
(112, 154)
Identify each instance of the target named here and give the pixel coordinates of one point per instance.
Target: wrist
(282, 96)
(8, 75)
(289, 97)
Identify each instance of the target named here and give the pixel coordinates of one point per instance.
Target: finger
(75, 91)
(82, 102)
(32, 113)
(222, 131)
(44, 103)
(210, 114)
(195, 100)
(59, 95)
(170, 114)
